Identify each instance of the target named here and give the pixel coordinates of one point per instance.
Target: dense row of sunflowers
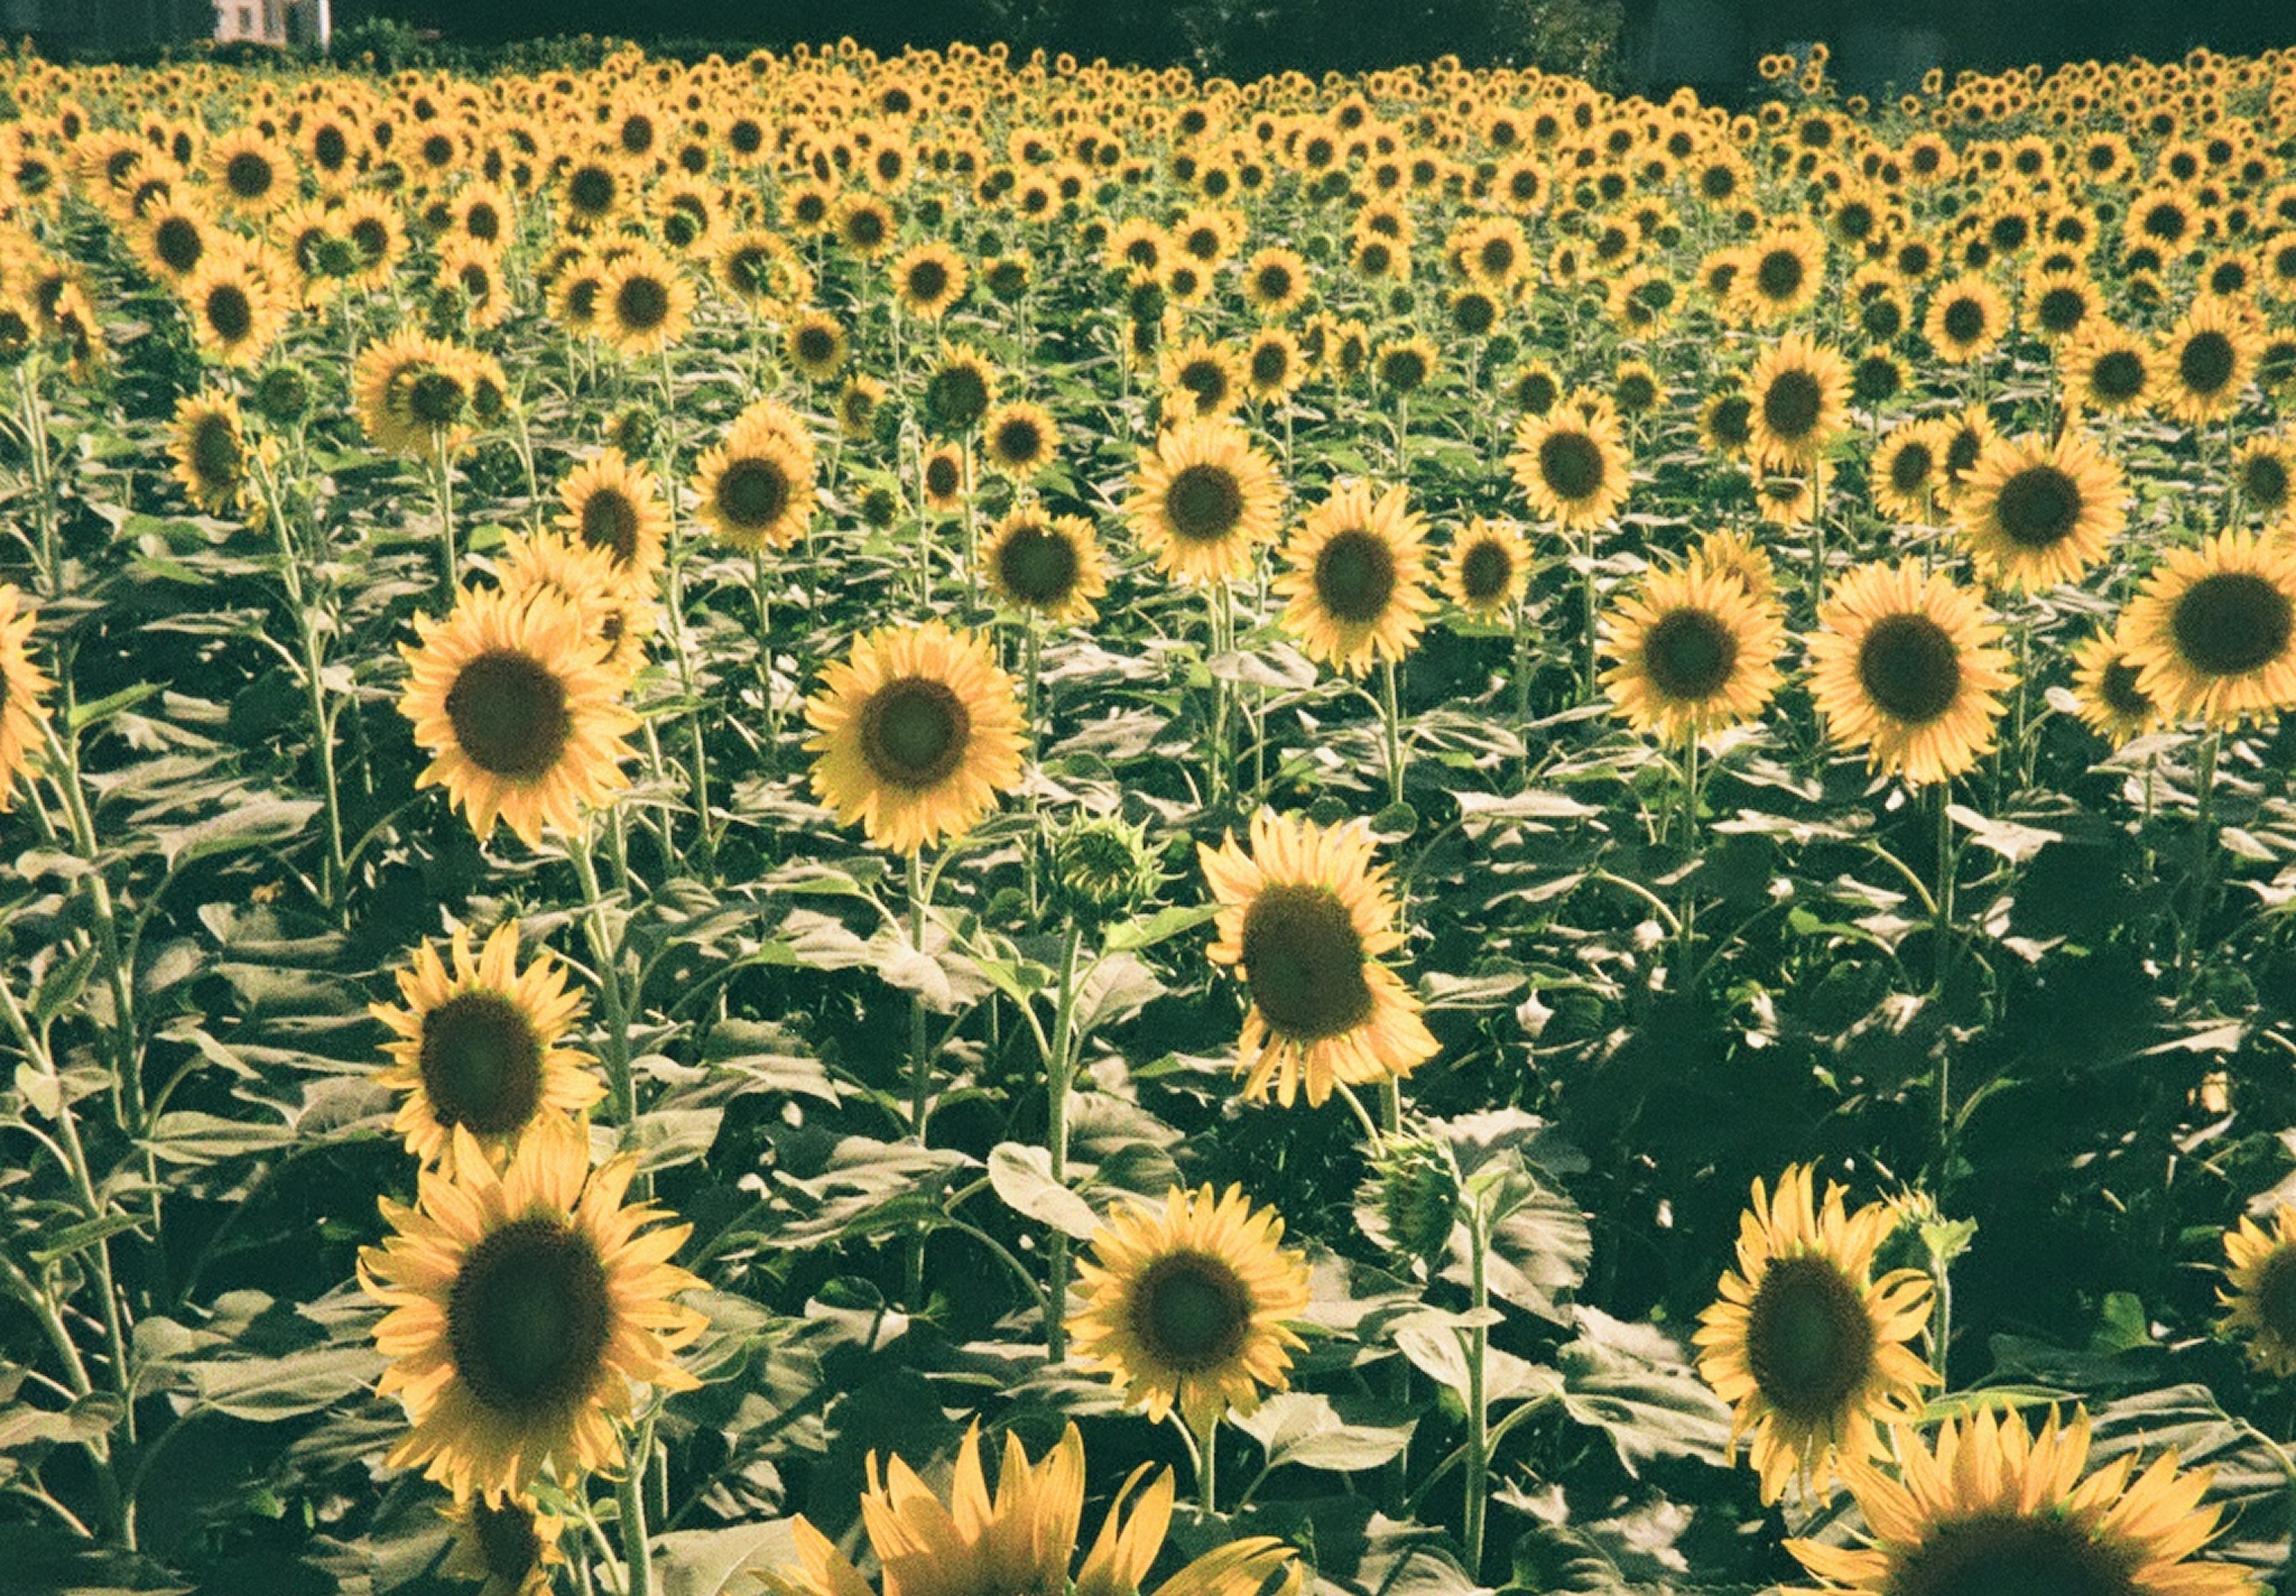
(1653, 639)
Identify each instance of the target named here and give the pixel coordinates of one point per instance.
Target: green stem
(1587, 588)
(442, 489)
(1478, 1470)
(1208, 1469)
(2204, 850)
(638, 1555)
(1940, 1314)
(43, 507)
(921, 1060)
(605, 954)
(1059, 1074)
(335, 879)
(1391, 712)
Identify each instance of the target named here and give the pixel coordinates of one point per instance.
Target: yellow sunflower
(415, 394)
(1019, 438)
(1967, 318)
(509, 1549)
(617, 612)
(1995, 1507)
(756, 487)
(1694, 652)
(1050, 565)
(1203, 500)
(1799, 390)
(644, 302)
(515, 705)
(236, 313)
(2036, 511)
(2212, 632)
(1904, 663)
(1571, 464)
(1737, 558)
(928, 279)
(1355, 575)
(2260, 1268)
(1780, 273)
(2206, 360)
(1805, 1343)
(1186, 1307)
(1202, 380)
(479, 1047)
(816, 345)
(2106, 690)
(1023, 1539)
(23, 715)
(617, 507)
(2264, 471)
(915, 733)
(1906, 470)
(208, 445)
(524, 1307)
(1305, 916)
(1487, 568)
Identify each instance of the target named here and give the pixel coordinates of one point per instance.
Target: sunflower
(1305, 916)
(944, 474)
(1961, 441)
(1274, 364)
(865, 225)
(644, 302)
(479, 1047)
(1801, 394)
(470, 275)
(1725, 424)
(1019, 438)
(251, 174)
(756, 487)
(1403, 365)
(415, 394)
(816, 345)
(2206, 358)
(1023, 1540)
(1906, 472)
(1487, 568)
(208, 445)
(1571, 462)
(23, 718)
(2213, 630)
(1904, 663)
(2105, 690)
(2036, 511)
(959, 391)
(2059, 304)
(916, 732)
(1275, 282)
(1202, 380)
(1967, 317)
(2265, 472)
(173, 238)
(1779, 274)
(928, 279)
(1203, 500)
(2260, 1268)
(1995, 1507)
(1186, 1308)
(515, 705)
(617, 507)
(1050, 565)
(617, 612)
(1694, 653)
(523, 1306)
(1804, 1343)
(1355, 576)
(508, 1548)
(236, 313)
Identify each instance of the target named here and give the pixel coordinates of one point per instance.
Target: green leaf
(1631, 1382)
(1310, 1429)
(86, 1233)
(255, 823)
(188, 1136)
(1162, 926)
(96, 712)
(264, 1390)
(1022, 1175)
(702, 1562)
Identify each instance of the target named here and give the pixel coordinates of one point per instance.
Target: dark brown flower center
(1909, 668)
(611, 521)
(2039, 507)
(2061, 310)
(1019, 441)
(215, 459)
(178, 241)
(2118, 690)
(752, 493)
(1204, 502)
(1690, 654)
(1570, 464)
(529, 1317)
(591, 190)
(1780, 275)
(1304, 960)
(248, 175)
(2003, 1554)
(2206, 363)
(1356, 575)
(1810, 1344)
(482, 1063)
(2229, 623)
(1792, 403)
(1486, 572)
(955, 398)
(915, 733)
(928, 280)
(1037, 565)
(816, 345)
(2264, 479)
(1910, 468)
(641, 304)
(2275, 1292)
(1964, 321)
(1190, 1311)
(507, 1543)
(229, 312)
(509, 714)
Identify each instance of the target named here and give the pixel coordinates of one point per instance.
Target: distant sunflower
(644, 303)
(1050, 565)
(816, 345)
(2213, 630)
(22, 715)
(1571, 464)
(2206, 360)
(1779, 274)
(1691, 653)
(1202, 380)
(1993, 1506)
(1805, 1343)
(958, 392)
(865, 225)
(1904, 663)
(2261, 1269)
(757, 486)
(1275, 282)
(1187, 1308)
(479, 1046)
(2059, 304)
(945, 474)
(1967, 318)
(616, 506)
(252, 175)
(2036, 511)
(523, 1306)
(1019, 438)
(2265, 472)
(1355, 575)
(1274, 364)
(1801, 394)
(1203, 500)
(236, 315)
(915, 733)
(509, 1549)
(516, 707)
(1487, 568)
(208, 445)
(1725, 424)
(1305, 916)
(1906, 470)
(928, 279)
(2105, 688)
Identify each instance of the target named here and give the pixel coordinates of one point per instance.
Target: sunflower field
(767, 821)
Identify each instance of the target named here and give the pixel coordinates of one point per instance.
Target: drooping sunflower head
(1186, 1307)
(1694, 652)
(1735, 557)
(1995, 1506)
(1305, 917)
(515, 704)
(1355, 576)
(1571, 464)
(615, 507)
(1487, 568)
(2106, 688)
(524, 1305)
(1904, 663)
(1808, 1346)
(2260, 1271)
(2037, 511)
(915, 733)
(1051, 565)
(23, 685)
(1203, 500)
(2213, 630)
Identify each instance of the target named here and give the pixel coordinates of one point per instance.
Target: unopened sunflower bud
(1415, 1184)
(1102, 869)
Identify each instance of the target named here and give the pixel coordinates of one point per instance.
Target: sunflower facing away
(1571, 462)
(1304, 917)
(1356, 575)
(1203, 500)
(508, 1548)
(1186, 1306)
(1805, 1345)
(524, 1306)
(477, 1046)
(22, 715)
(2260, 1268)
(2212, 632)
(1994, 1508)
(1694, 652)
(1904, 663)
(2038, 511)
(915, 733)
(515, 706)
(1024, 1539)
